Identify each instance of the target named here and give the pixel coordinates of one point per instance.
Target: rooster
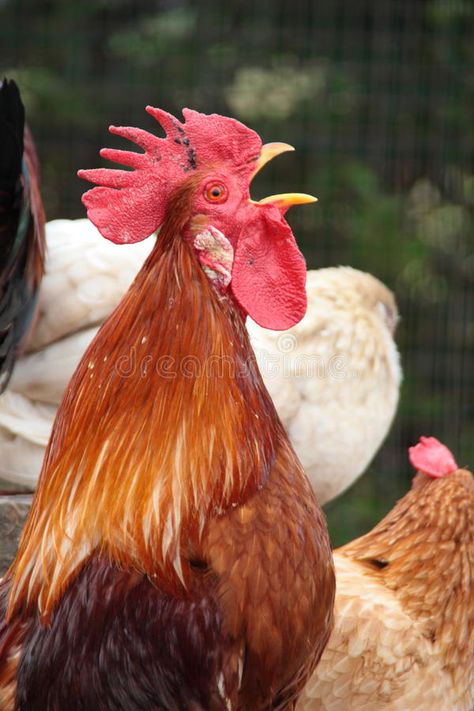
(404, 616)
(21, 229)
(175, 556)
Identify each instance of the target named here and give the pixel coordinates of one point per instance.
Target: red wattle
(269, 271)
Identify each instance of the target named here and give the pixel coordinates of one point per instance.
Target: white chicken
(334, 378)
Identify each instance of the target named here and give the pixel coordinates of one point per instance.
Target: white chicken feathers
(334, 377)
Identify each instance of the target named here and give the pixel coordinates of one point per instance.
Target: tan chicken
(335, 377)
(404, 631)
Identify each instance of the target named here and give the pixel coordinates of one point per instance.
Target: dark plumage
(21, 229)
(141, 642)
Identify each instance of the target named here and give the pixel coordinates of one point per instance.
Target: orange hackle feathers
(133, 497)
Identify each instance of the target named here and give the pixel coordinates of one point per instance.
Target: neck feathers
(165, 423)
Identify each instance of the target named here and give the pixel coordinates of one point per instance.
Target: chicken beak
(270, 151)
(282, 201)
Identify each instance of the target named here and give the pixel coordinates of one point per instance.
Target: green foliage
(354, 513)
(153, 36)
(45, 93)
(276, 93)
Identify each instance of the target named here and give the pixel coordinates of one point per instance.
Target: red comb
(129, 205)
(432, 458)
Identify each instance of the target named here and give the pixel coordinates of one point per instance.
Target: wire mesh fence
(376, 97)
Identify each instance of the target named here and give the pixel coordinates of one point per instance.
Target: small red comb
(432, 457)
(129, 205)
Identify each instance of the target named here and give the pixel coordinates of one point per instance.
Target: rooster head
(243, 245)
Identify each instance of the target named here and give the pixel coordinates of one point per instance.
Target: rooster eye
(215, 192)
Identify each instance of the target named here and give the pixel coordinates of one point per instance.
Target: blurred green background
(378, 99)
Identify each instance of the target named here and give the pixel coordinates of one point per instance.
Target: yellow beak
(269, 151)
(284, 200)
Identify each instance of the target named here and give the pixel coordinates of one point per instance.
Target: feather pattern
(404, 629)
(152, 490)
(334, 378)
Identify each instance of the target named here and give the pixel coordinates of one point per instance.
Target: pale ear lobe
(269, 272)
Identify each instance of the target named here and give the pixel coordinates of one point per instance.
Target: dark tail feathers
(22, 236)
(12, 126)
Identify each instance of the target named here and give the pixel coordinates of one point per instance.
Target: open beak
(282, 201)
(269, 151)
